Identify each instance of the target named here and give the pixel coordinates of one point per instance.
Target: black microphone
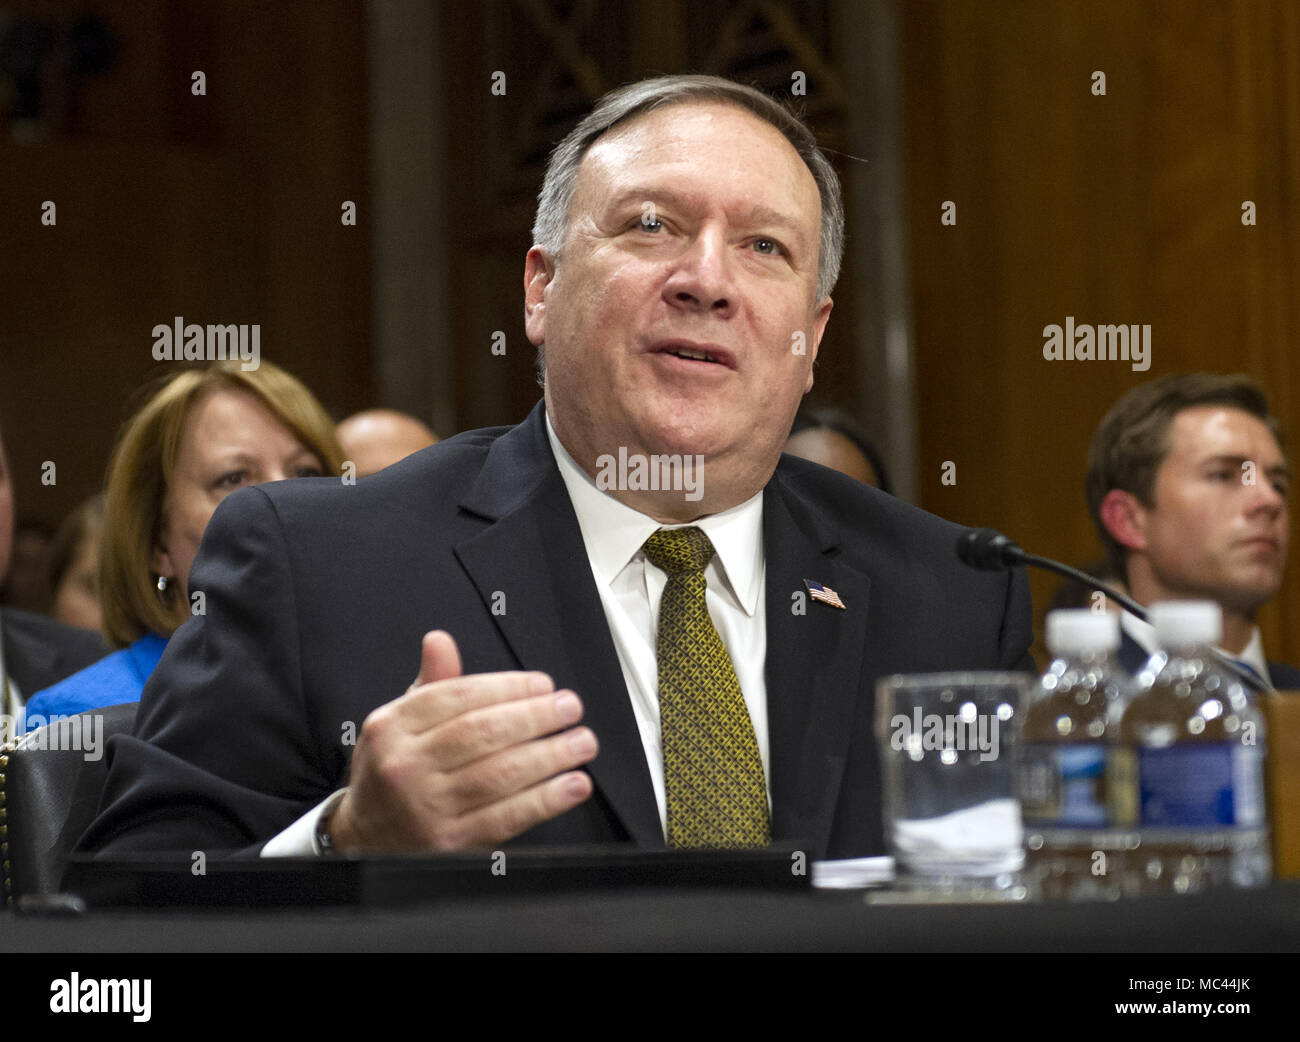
(988, 550)
(991, 551)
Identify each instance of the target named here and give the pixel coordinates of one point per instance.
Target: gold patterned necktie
(712, 771)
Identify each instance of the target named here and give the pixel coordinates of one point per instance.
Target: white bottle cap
(1073, 631)
(1180, 623)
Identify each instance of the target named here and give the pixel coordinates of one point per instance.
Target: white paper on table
(852, 873)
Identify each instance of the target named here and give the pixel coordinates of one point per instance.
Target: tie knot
(678, 550)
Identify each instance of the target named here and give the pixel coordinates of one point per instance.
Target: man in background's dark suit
(688, 236)
(39, 652)
(1133, 656)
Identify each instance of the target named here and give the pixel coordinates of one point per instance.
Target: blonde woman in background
(202, 434)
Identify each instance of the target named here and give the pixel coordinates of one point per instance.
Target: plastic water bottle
(1070, 733)
(1195, 743)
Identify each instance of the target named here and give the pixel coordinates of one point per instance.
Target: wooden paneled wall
(1122, 208)
(223, 208)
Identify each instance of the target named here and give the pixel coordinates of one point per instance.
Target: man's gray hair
(556, 196)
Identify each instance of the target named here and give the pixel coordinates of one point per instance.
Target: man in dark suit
(39, 652)
(688, 236)
(35, 652)
(1187, 485)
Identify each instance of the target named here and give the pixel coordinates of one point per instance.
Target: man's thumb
(439, 658)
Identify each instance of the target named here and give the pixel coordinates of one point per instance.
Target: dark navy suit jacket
(318, 594)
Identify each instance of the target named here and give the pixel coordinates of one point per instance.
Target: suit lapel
(551, 615)
(814, 667)
(532, 552)
(1132, 656)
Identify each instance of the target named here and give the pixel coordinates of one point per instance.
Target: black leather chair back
(50, 782)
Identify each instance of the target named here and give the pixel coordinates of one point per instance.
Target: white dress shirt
(630, 589)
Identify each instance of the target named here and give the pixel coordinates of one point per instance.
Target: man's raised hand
(460, 762)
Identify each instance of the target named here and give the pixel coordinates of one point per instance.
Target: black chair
(49, 794)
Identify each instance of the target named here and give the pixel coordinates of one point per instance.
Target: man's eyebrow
(637, 196)
(762, 215)
(1282, 469)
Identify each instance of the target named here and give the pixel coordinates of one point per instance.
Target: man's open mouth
(698, 353)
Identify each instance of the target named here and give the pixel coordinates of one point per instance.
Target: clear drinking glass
(948, 745)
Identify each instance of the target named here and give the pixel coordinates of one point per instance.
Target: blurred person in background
(831, 437)
(74, 566)
(377, 438)
(27, 586)
(201, 434)
(34, 651)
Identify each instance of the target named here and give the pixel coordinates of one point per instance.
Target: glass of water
(948, 750)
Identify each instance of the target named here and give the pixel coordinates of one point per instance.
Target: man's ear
(539, 270)
(1125, 519)
(819, 328)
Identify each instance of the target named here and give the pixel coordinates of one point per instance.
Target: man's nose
(1265, 496)
(702, 279)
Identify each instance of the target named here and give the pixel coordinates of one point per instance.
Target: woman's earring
(162, 584)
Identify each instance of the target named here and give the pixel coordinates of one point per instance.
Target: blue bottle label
(1064, 785)
(1201, 786)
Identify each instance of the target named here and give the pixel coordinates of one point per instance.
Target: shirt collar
(1253, 655)
(614, 532)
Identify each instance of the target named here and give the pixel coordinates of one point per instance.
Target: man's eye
(650, 224)
(767, 246)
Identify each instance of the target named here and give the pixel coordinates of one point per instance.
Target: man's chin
(1250, 595)
(687, 440)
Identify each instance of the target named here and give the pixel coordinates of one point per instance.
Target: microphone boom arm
(1073, 573)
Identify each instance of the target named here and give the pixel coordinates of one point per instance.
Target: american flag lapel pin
(825, 594)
